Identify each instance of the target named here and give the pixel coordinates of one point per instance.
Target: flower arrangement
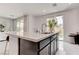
(2, 28)
(51, 24)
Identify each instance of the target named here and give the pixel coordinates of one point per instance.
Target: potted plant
(51, 24)
(2, 28)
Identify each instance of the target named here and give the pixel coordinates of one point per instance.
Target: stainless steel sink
(46, 33)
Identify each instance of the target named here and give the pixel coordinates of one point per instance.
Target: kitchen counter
(34, 37)
(23, 43)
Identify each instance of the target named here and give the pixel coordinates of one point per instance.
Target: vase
(51, 30)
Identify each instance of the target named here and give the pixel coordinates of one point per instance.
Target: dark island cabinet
(48, 46)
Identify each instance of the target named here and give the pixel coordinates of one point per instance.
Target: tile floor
(61, 50)
(66, 48)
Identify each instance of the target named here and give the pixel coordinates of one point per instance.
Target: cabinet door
(44, 43)
(53, 47)
(45, 51)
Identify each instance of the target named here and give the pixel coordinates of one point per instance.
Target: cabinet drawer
(44, 42)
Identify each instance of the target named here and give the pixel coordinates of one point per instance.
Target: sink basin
(46, 33)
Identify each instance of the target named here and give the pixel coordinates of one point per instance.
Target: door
(45, 51)
(53, 47)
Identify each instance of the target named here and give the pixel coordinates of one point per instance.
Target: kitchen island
(33, 43)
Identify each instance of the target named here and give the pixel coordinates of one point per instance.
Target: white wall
(38, 22)
(8, 23)
(70, 24)
(28, 23)
(31, 23)
(15, 23)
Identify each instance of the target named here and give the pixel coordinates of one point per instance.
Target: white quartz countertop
(34, 37)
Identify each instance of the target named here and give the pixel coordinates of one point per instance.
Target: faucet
(43, 26)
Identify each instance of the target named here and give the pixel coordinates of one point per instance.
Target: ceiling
(14, 10)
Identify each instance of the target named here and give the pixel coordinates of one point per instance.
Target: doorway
(61, 34)
(60, 27)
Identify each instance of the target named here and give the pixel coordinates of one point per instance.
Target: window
(59, 26)
(20, 25)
